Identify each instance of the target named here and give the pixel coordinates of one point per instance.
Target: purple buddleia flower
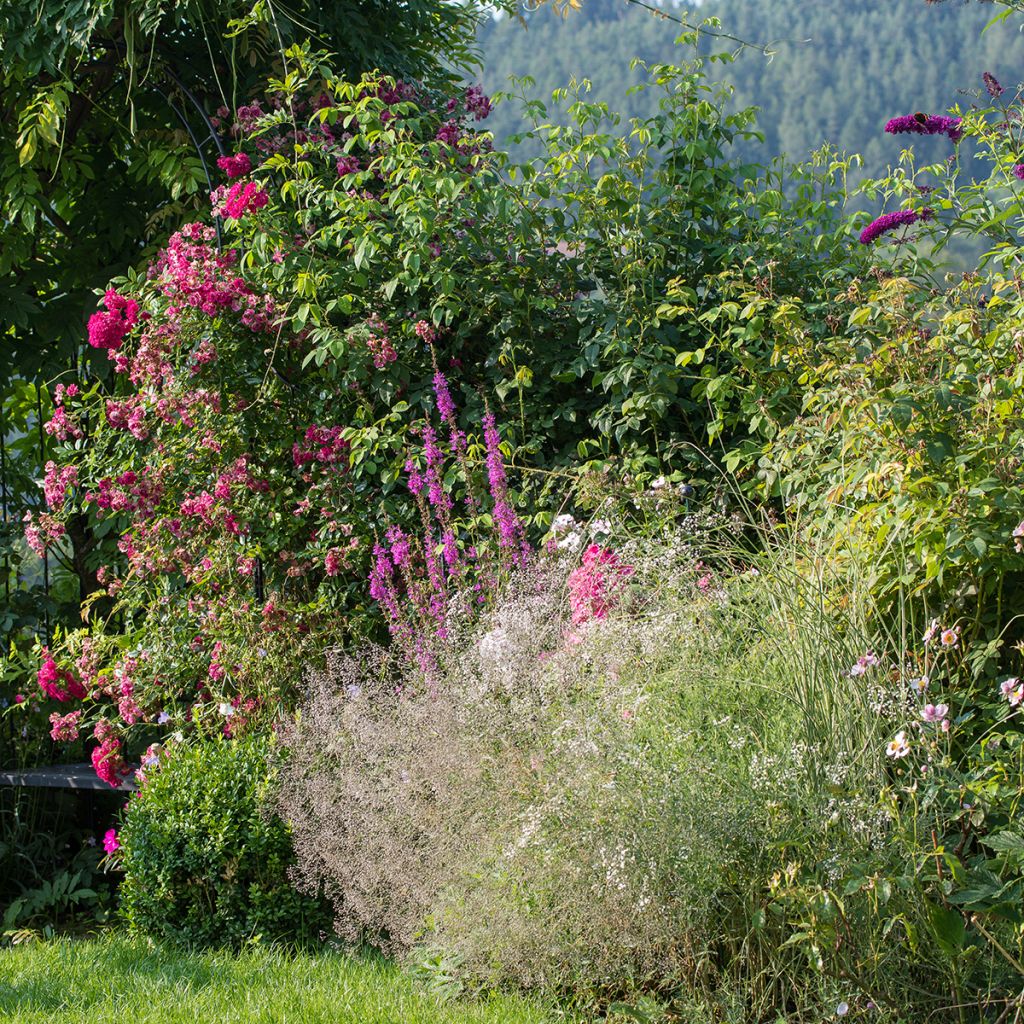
(992, 84)
(923, 124)
(891, 221)
(1018, 171)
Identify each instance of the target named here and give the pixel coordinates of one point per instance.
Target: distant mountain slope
(841, 69)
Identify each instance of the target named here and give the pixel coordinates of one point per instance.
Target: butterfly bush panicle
(923, 124)
(995, 90)
(890, 221)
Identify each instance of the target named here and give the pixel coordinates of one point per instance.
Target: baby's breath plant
(600, 805)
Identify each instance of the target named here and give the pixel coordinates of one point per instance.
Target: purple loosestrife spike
(382, 587)
(436, 494)
(923, 124)
(495, 464)
(445, 405)
(891, 221)
(415, 478)
(1018, 171)
(451, 550)
(399, 546)
(510, 530)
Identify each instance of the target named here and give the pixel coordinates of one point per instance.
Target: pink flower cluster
(57, 482)
(191, 272)
(235, 166)
(128, 492)
(1012, 691)
(64, 728)
(425, 332)
(130, 415)
(42, 531)
(323, 446)
(595, 587)
(107, 330)
(338, 559)
(379, 343)
(58, 683)
(61, 426)
(347, 165)
(107, 761)
(242, 197)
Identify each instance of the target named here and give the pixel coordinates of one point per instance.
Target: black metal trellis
(4, 507)
(46, 555)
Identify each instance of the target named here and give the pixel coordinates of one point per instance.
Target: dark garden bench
(64, 776)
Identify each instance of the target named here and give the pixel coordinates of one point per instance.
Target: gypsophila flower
(562, 524)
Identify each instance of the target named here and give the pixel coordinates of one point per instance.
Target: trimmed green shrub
(205, 862)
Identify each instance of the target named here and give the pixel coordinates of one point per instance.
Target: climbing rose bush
(241, 489)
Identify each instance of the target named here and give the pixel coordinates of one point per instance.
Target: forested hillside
(836, 69)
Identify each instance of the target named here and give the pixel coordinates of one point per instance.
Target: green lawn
(120, 979)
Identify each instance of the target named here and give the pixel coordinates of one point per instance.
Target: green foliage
(205, 861)
(909, 441)
(50, 874)
(627, 253)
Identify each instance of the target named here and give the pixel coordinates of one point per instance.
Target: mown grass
(118, 978)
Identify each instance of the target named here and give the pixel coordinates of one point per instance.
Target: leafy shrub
(257, 429)
(205, 861)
